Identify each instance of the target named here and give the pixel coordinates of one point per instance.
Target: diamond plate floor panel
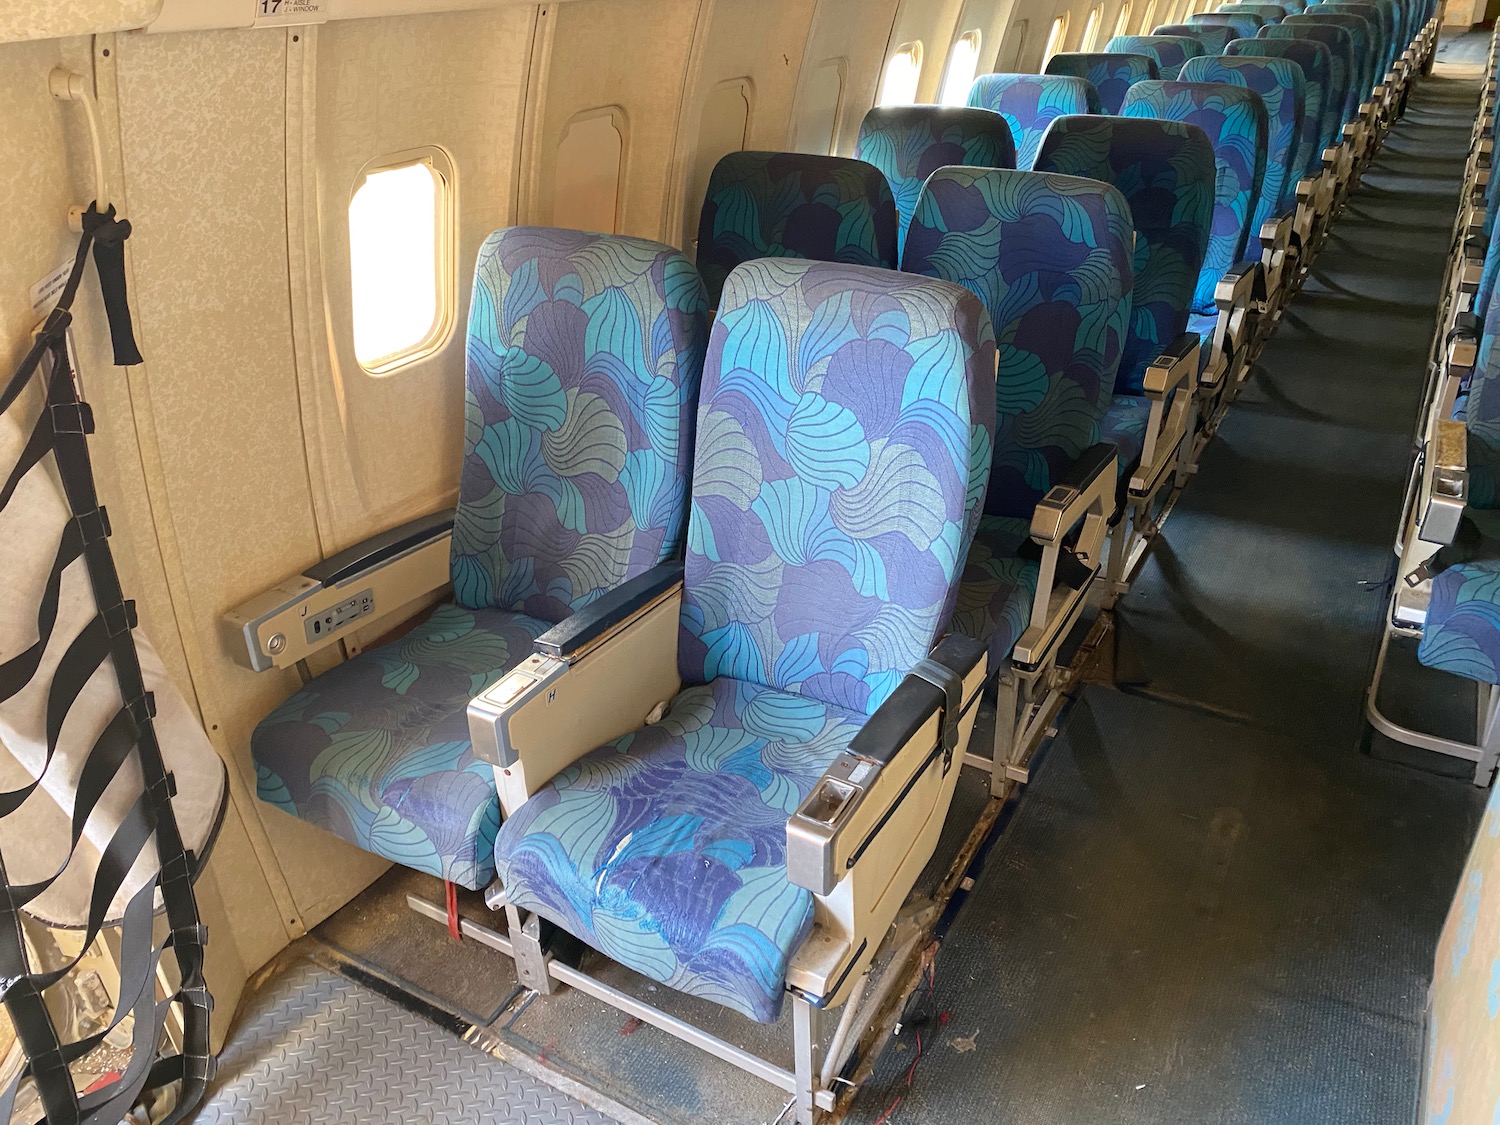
(313, 1046)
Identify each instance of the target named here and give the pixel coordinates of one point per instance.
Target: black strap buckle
(951, 684)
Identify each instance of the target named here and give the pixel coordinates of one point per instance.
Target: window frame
(1091, 26)
(1057, 39)
(975, 36)
(915, 49)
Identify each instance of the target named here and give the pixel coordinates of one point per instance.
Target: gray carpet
(1212, 905)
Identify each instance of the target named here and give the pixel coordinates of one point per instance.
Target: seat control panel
(336, 617)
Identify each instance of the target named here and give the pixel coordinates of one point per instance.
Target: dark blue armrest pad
(1093, 461)
(915, 700)
(1181, 347)
(585, 626)
(380, 549)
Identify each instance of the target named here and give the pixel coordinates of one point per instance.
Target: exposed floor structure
(1211, 905)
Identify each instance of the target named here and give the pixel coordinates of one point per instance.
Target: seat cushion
(666, 849)
(1462, 631)
(1203, 324)
(402, 781)
(1125, 425)
(998, 587)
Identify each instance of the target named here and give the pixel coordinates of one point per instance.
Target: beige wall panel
(857, 31)
(385, 448)
(627, 53)
(932, 22)
(202, 126)
(53, 19)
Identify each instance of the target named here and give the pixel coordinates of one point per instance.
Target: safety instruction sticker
(44, 293)
(271, 12)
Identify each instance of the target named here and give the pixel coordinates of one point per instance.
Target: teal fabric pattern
(1234, 120)
(1364, 47)
(1211, 37)
(1462, 632)
(1030, 103)
(1243, 24)
(1345, 66)
(1169, 51)
(1111, 75)
(584, 356)
(1284, 94)
(1382, 20)
(792, 205)
(1269, 13)
(1050, 256)
(1319, 116)
(1124, 427)
(843, 447)
(910, 143)
(999, 586)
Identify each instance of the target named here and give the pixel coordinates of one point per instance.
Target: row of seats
(1448, 579)
(724, 598)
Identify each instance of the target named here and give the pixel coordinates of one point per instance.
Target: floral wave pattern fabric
(1124, 427)
(1462, 631)
(666, 849)
(1030, 103)
(791, 205)
(1111, 75)
(1462, 1082)
(584, 357)
(1342, 100)
(845, 434)
(1169, 51)
(994, 600)
(910, 143)
(1234, 120)
(1165, 170)
(1242, 24)
(1282, 90)
(1050, 256)
(1361, 48)
(1212, 38)
(376, 750)
(1319, 115)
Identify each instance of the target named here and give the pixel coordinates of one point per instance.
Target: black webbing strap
(62, 429)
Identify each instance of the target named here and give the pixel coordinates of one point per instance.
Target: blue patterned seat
(846, 421)
(1381, 15)
(1283, 92)
(1269, 13)
(1243, 24)
(910, 143)
(584, 355)
(1343, 74)
(1165, 170)
(1030, 103)
(1320, 117)
(1111, 75)
(1169, 51)
(792, 205)
(1025, 242)
(1212, 38)
(1364, 47)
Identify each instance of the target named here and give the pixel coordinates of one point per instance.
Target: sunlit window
(1122, 22)
(963, 64)
(399, 261)
(1091, 29)
(1055, 38)
(1147, 27)
(899, 86)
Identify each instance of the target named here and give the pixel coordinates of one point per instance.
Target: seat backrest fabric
(1364, 30)
(793, 205)
(1111, 75)
(844, 437)
(584, 355)
(1361, 60)
(1234, 120)
(1282, 91)
(1050, 256)
(1031, 102)
(1169, 51)
(1269, 13)
(1342, 102)
(1213, 37)
(1382, 19)
(1243, 24)
(909, 143)
(1319, 116)
(1166, 171)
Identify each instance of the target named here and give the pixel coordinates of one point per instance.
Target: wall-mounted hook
(70, 87)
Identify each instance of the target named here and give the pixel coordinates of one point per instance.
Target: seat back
(1342, 101)
(583, 361)
(844, 437)
(1169, 51)
(1364, 29)
(1243, 24)
(1031, 102)
(1111, 75)
(1050, 256)
(1213, 37)
(909, 143)
(1165, 170)
(1320, 114)
(1283, 92)
(1360, 57)
(792, 205)
(1234, 120)
(1381, 17)
(1269, 13)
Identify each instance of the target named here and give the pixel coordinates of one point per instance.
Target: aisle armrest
(1169, 386)
(1445, 482)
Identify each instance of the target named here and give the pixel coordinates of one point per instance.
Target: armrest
(1174, 366)
(583, 629)
(1445, 482)
(1237, 285)
(546, 713)
(848, 807)
(1067, 501)
(1169, 384)
(329, 599)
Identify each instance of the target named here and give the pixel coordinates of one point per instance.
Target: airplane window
(963, 64)
(1122, 22)
(1146, 25)
(899, 87)
(1055, 38)
(400, 259)
(1091, 29)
